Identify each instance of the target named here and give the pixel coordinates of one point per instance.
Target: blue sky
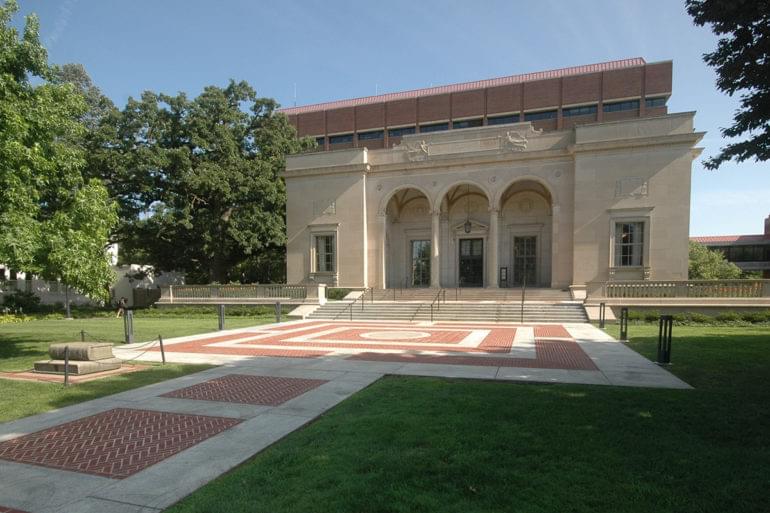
(338, 49)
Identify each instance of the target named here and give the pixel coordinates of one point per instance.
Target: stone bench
(84, 358)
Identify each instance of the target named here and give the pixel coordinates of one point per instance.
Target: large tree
(197, 180)
(710, 264)
(742, 62)
(54, 222)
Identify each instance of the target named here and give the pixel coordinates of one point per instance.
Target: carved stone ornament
(517, 140)
(416, 151)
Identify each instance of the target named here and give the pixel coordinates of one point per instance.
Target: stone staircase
(478, 305)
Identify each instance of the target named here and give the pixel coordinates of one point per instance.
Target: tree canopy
(55, 222)
(742, 63)
(197, 180)
(709, 264)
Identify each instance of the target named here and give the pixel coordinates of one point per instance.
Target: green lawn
(423, 444)
(21, 344)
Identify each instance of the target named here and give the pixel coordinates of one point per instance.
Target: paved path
(144, 449)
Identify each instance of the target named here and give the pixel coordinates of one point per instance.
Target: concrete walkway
(144, 449)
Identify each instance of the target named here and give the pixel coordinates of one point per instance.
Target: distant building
(749, 252)
(554, 179)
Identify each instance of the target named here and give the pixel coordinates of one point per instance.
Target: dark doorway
(525, 260)
(471, 262)
(420, 263)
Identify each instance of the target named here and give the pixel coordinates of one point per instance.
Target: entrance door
(525, 260)
(471, 262)
(420, 263)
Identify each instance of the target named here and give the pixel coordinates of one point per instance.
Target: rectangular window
(467, 123)
(370, 136)
(503, 120)
(621, 106)
(584, 110)
(320, 141)
(341, 139)
(438, 127)
(324, 253)
(536, 116)
(629, 244)
(655, 102)
(400, 132)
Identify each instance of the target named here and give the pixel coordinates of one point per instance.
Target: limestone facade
(496, 205)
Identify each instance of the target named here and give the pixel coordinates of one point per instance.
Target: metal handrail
(437, 302)
(349, 308)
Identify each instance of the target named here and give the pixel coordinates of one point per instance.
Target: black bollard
(602, 314)
(624, 324)
(277, 311)
(221, 317)
(82, 335)
(128, 326)
(664, 339)
(66, 365)
(162, 351)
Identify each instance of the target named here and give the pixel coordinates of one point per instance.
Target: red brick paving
(3, 509)
(436, 336)
(247, 389)
(551, 354)
(551, 331)
(116, 443)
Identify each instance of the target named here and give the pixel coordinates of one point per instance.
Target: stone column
(435, 253)
(383, 222)
(493, 239)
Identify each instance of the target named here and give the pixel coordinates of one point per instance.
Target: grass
(21, 344)
(22, 398)
(408, 444)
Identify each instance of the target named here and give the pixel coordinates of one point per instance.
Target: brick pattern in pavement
(3, 509)
(247, 389)
(116, 443)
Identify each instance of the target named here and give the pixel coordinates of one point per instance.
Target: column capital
(494, 210)
(435, 212)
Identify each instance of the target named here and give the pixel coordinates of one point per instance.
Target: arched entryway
(465, 236)
(408, 240)
(526, 234)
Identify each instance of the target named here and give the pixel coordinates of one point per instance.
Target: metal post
(624, 324)
(66, 365)
(82, 335)
(162, 351)
(221, 317)
(523, 289)
(602, 314)
(128, 326)
(277, 311)
(431, 312)
(68, 314)
(664, 339)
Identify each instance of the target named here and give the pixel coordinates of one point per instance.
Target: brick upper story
(551, 100)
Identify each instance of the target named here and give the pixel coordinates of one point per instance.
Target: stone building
(556, 179)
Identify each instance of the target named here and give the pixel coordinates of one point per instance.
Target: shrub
(680, 317)
(336, 293)
(728, 317)
(651, 316)
(21, 301)
(755, 317)
(13, 318)
(699, 318)
(633, 315)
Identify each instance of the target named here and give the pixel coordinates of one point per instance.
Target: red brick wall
(434, 108)
(340, 120)
(311, 123)
(370, 116)
(622, 83)
(581, 89)
(504, 99)
(542, 93)
(468, 103)
(658, 78)
(402, 112)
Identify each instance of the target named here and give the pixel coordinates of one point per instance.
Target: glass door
(420, 263)
(471, 262)
(525, 260)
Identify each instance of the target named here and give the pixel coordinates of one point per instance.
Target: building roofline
(469, 86)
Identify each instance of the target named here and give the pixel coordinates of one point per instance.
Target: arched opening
(408, 240)
(465, 238)
(526, 229)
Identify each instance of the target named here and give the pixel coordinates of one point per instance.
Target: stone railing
(680, 289)
(214, 294)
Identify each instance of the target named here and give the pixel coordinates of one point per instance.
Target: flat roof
(468, 86)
